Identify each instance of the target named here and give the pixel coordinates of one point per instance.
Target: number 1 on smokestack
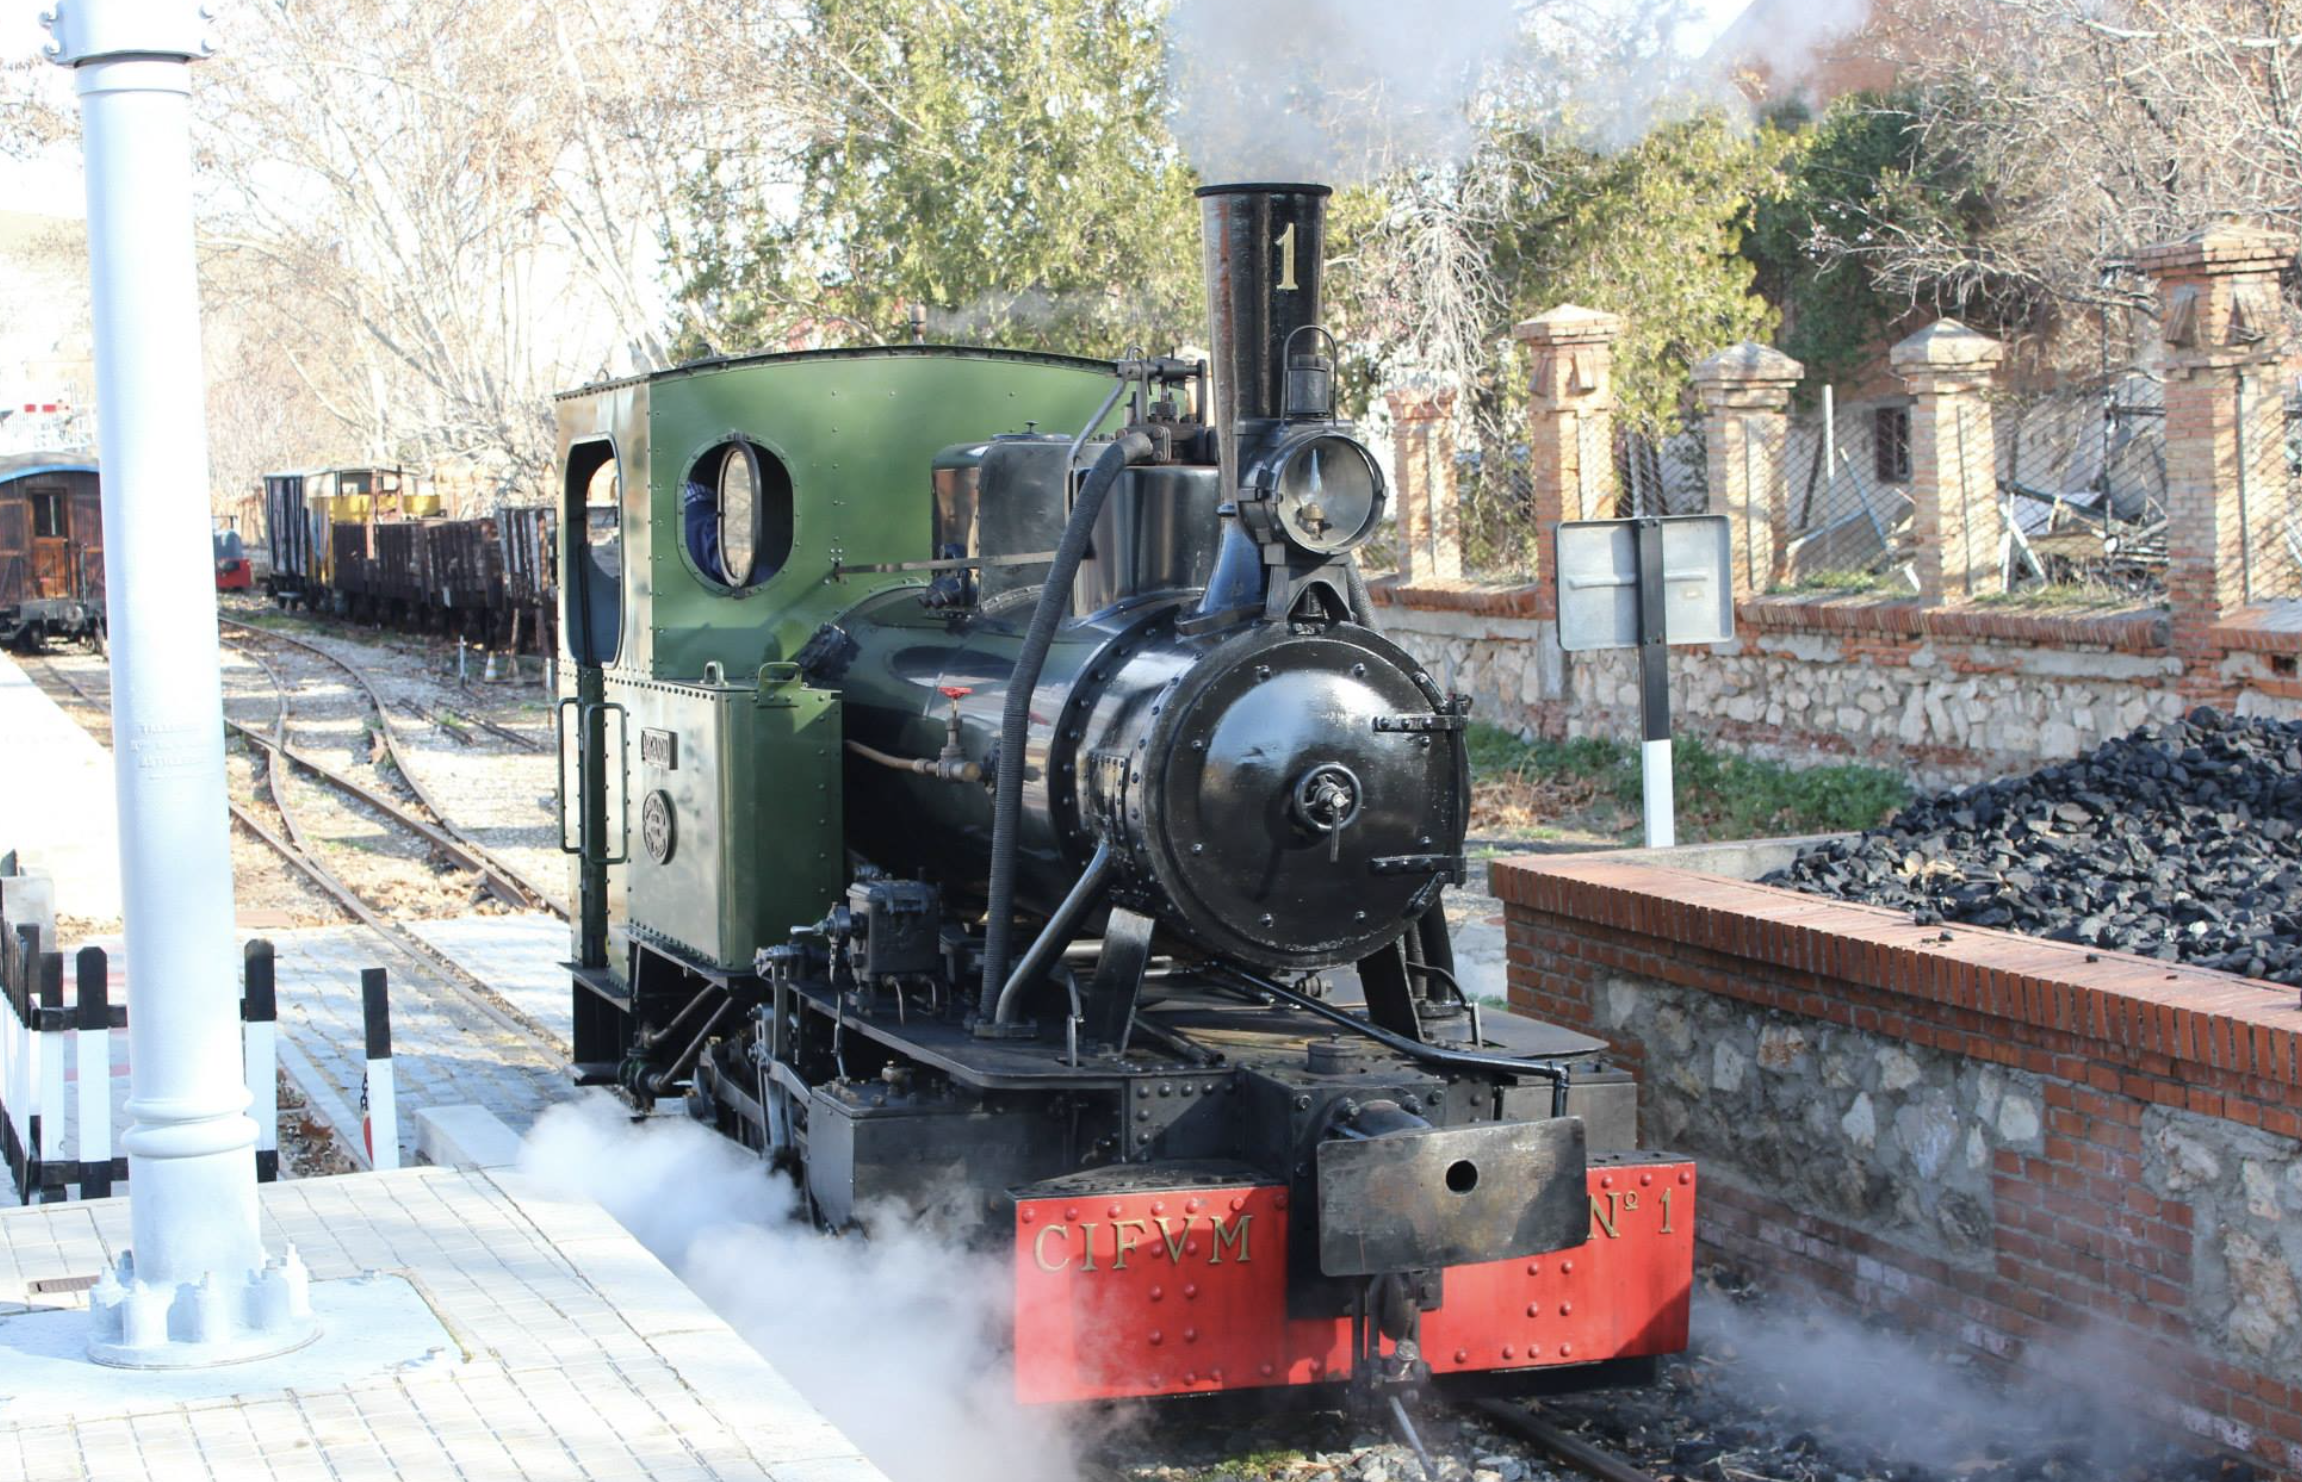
(1287, 259)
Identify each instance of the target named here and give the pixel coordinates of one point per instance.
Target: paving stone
(607, 1397)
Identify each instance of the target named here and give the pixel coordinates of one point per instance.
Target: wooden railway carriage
(51, 547)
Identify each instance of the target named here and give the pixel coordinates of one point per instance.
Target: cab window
(594, 526)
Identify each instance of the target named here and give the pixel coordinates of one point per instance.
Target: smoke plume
(1337, 91)
(1348, 91)
(897, 1339)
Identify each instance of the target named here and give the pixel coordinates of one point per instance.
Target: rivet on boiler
(1462, 1355)
(1645, 1179)
(1565, 1308)
(1190, 1290)
(1565, 1349)
(1686, 1175)
(1190, 1335)
(1028, 1216)
(1072, 1213)
(1606, 1180)
(1268, 1370)
(1113, 1211)
(1158, 1292)
(1509, 1352)
(1157, 1337)
(1534, 1309)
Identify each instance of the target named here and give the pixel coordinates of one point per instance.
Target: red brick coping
(1487, 599)
(2212, 1042)
(2269, 628)
(2145, 630)
(2142, 631)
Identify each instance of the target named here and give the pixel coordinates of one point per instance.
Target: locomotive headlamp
(1325, 491)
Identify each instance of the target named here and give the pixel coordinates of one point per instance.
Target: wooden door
(15, 549)
(53, 563)
(88, 537)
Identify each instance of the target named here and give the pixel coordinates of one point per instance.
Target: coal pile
(2180, 841)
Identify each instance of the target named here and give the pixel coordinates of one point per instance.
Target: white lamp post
(196, 1287)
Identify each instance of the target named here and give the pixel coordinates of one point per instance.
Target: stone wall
(1946, 695)
(2054, 1156)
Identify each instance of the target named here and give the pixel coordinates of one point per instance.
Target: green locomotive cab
(701, 806)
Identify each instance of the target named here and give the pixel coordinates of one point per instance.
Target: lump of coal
(2181, 841)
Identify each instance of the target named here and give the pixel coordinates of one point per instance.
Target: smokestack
(1265, 245)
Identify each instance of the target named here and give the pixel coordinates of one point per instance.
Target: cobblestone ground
(575, 1355)
(445, 1050)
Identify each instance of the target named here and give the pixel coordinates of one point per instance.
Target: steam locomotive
(989, 795)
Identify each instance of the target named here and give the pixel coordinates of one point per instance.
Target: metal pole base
(221, 1319)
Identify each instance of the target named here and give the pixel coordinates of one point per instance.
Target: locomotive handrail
(623, 757)
(1413, 1049)
(560, 763)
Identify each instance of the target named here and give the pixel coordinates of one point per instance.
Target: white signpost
(1646, 583)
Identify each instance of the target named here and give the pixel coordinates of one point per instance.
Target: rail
(391, 737)
(297, 853)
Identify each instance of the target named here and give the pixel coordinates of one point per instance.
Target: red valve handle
(954, 691)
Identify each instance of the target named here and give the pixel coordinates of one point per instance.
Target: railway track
(459, 843)
(1561, 1446)
(294, 845)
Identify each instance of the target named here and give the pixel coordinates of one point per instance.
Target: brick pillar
(1745, 393)
(1571, 406)
(1955, 526)
(1423, 484)
(2219, 319)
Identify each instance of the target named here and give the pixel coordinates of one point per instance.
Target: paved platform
(446, 1050)
(574, 1354)
(68, 825)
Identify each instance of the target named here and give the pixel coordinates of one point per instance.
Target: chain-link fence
(1495, 490)
(1845, 487)
(1658, 475)
(2264, 519)
(2082, 478)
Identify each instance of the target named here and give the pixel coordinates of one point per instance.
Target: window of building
(47, 514)
(1890, 444)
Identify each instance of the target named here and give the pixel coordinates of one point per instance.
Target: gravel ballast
(2181, 841)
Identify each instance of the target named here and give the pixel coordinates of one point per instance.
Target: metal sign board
(1598, 566)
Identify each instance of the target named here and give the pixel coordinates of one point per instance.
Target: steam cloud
(897, 1338)
(1347, 91)
(1338, 91)
(1802, 1363)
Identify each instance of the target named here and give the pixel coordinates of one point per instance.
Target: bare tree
(2096, 127)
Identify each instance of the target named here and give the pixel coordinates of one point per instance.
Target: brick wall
(2060, 1157)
